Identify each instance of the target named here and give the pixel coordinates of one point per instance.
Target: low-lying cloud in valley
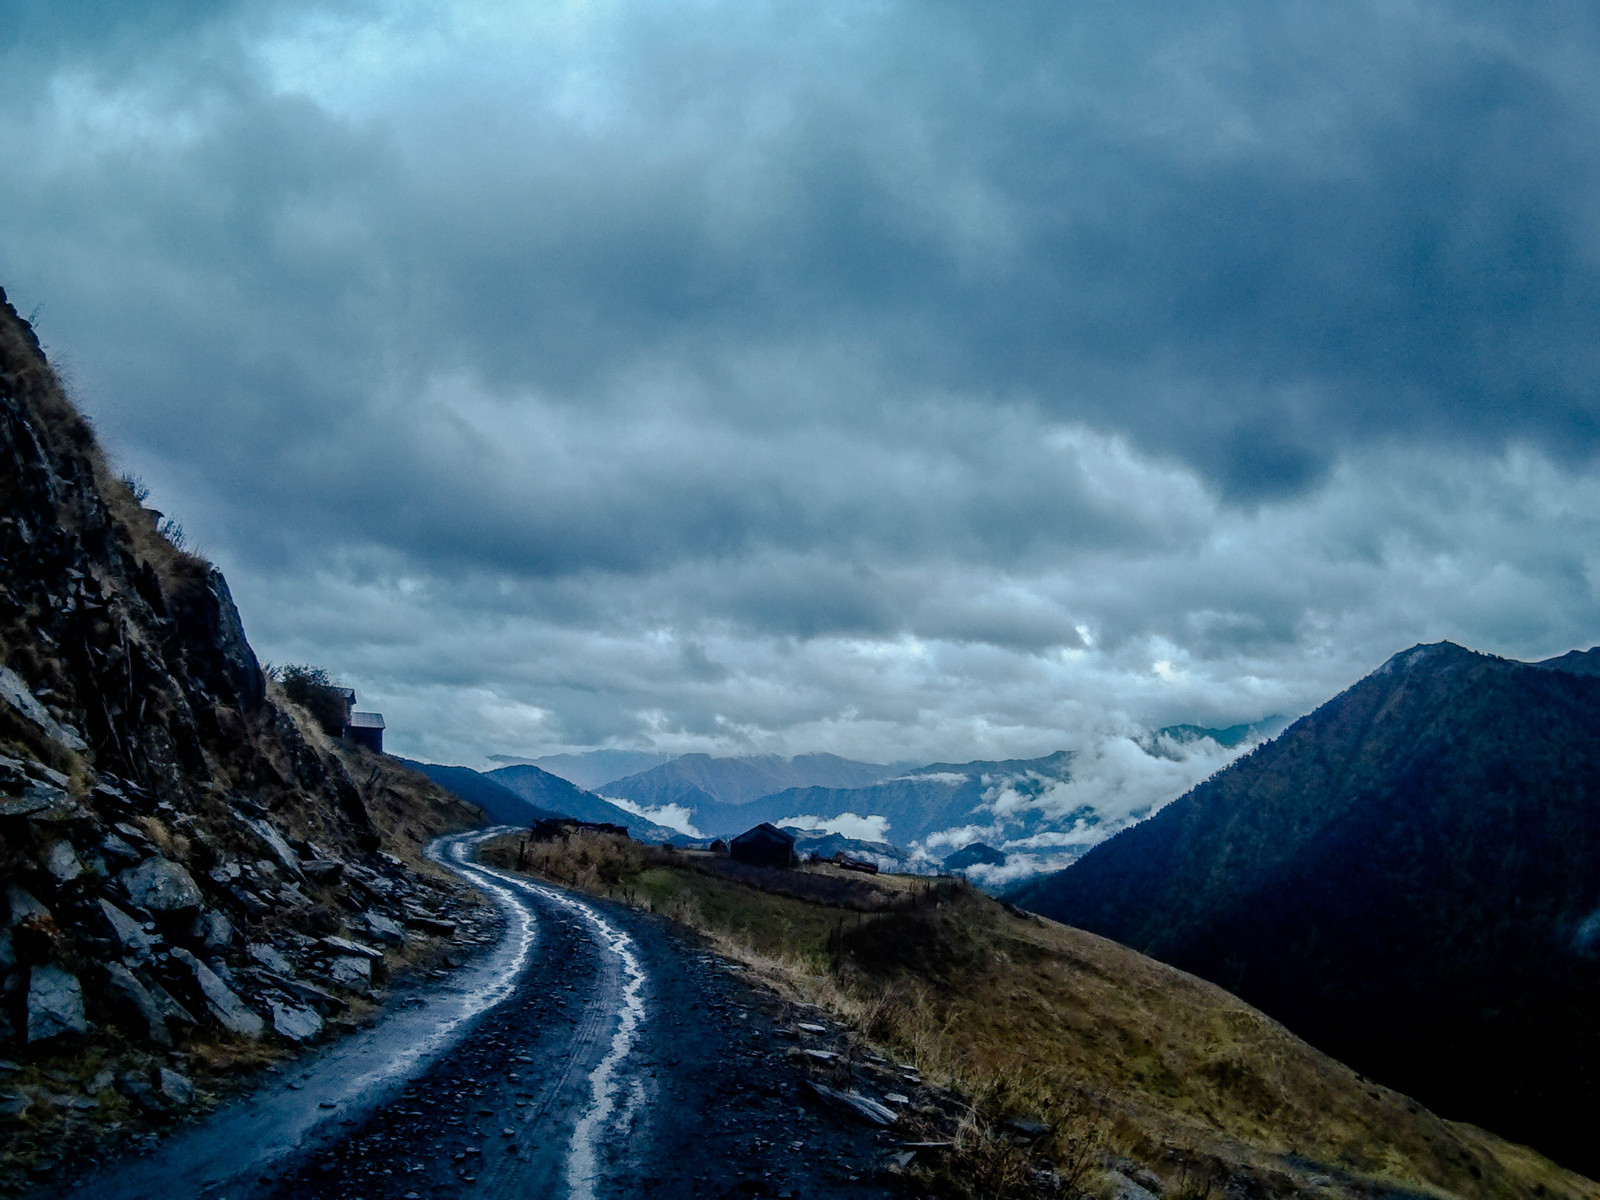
(1043, 823)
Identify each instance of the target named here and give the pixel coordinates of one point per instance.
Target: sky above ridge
(906, 381)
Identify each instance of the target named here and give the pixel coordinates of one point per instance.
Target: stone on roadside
(211, 929)
(61, 860)
(174, 1088)
(853, 1103)
(162, 886)
(268, 833)
(132, 1002)
(295, 1023)
(351, 971)
(430, 925)
(55, 1004)
(321, 871)
(270, 957)
(346, 946)
(1118, 1186)
(221, 1001)
(23, 904)
(127, 932)
(173, 1013)
(385, 929)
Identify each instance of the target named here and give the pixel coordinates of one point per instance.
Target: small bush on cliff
(313, 690)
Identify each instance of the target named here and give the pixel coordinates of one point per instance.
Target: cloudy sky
(909, 381)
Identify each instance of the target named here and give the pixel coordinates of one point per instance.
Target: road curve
(590, 1053)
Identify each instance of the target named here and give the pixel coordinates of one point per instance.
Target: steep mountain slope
(742, 779)
(1409, 878)
(500, 804)
(546, 791)
(174, 840)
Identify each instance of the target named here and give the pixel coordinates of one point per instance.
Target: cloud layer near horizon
(909, 382)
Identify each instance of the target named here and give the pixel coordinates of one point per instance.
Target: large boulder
(162, 886)
(295, 1023)
(55, 1004)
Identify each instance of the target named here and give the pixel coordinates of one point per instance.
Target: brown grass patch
(1026, 1017)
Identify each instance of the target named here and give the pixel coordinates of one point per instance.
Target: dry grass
(1027, 1017)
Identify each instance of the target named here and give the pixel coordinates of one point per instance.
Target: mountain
(696, 777)
(592, 768)
(973, 855)
(170, 824)
(1233, 735)
(500, 804)
(558, 795)
(1574, 662)
(913, 805)
(1409, 878)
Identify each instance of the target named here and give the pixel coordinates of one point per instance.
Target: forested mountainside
(1409, 878)
(176, 844)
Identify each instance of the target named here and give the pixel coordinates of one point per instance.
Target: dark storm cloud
(719, 371)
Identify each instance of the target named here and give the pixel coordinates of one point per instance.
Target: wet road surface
(590, 1053)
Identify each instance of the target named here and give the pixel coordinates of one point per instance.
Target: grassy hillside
(1028, 1017)
(1403, 878)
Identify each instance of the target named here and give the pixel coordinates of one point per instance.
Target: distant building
(348, 695)
(764, 846)
(366, 729)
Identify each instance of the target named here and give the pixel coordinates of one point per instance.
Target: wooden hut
(764, 846)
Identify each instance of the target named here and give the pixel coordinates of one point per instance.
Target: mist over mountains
(1035, 815)
(1409, 878)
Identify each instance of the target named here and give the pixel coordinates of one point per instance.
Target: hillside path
(589, 1053)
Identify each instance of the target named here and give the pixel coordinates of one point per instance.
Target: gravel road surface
(590, 1052)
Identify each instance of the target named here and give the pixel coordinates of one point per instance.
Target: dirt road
(589, 1053)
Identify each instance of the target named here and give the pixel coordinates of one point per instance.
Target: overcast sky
(908, 381)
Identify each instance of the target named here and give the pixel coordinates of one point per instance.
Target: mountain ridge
(1399, 877)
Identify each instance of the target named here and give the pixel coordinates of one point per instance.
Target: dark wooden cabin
(764, 846)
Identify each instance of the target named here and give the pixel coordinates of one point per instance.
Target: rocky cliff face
(185, 864)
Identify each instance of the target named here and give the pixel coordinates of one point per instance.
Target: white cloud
(850, 825)
(673, 816)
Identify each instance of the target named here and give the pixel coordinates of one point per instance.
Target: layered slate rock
(55, 1004)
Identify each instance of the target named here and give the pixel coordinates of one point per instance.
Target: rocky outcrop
(182, 863)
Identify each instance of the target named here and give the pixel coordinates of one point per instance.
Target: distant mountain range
(1035, 814)
(1409, 878)
(524, 794)
(697, 780)
(591, 769)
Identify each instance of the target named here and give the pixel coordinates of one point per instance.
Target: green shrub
(313, 690)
